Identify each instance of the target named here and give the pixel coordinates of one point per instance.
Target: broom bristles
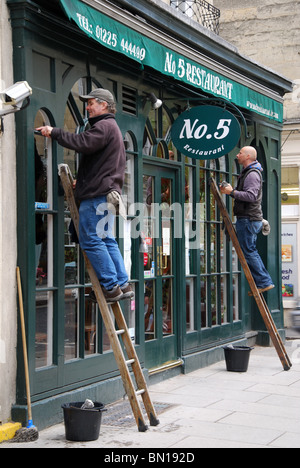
(26, 434)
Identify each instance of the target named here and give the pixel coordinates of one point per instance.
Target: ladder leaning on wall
(259, 298)
(113, 334)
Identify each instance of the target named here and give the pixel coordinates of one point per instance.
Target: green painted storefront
(191, 296)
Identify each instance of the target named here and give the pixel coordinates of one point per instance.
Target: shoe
(262, 290)
(127, 291)
(113, 295)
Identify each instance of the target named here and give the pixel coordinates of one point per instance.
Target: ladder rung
(140, 392)
(120, 332)
(130, 361)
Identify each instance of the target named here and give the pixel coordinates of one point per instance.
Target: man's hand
(45, 131)
(226, 190)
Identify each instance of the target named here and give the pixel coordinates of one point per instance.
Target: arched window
(157, 136)
(44, 257)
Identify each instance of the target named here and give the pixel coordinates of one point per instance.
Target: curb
(8, 431)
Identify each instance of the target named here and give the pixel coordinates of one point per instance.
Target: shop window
(214, 253)
(290, 191)
(43, 245)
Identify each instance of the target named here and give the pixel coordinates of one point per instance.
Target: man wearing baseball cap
(101, 173)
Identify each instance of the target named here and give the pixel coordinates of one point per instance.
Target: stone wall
(268, 32)
(8, 224)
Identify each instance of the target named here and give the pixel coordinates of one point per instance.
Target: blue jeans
(96, 239)
(247, 235)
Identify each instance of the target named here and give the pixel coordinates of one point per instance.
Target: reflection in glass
(90, 325)
(190, 325)
(71, 255)
(223, 251)
(235, 302)
(214, 301)
(167, 307)
(204, 323)
(44, 329)
(166, 259)
(213, 247)
(149, 310)
(43, 246)
(129, 315)
(71, 324)
(224, 318)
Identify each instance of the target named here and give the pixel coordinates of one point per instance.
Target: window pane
(71, 324)
(43, 246)
(167, 309)
(149, 310)
(44, 329)
(290, 185)
(90, 325)
(223, 251)
(71, 255)
(129, 315)
(213, 248)
(190, 322)
(203, 303)
(235, 305)
(214, 301)
(129, 188)
(224, 318)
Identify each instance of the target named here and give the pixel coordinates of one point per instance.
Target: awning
(118, 37)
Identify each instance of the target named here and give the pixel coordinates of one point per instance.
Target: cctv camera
(12, 98)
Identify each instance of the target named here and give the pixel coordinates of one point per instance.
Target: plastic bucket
(237, 358)
(82, 425)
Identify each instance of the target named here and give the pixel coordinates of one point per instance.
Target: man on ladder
(248, 198)
(98, 188)
(100, 180)
(248, 210)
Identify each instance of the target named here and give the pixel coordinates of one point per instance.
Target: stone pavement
(209, 408)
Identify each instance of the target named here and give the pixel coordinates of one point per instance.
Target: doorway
(161, 217)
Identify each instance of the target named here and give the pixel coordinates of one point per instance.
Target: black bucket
(237, 358)
(82, 425)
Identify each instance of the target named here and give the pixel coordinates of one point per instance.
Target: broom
(30, 432)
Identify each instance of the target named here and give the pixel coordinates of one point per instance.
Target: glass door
(160, 268)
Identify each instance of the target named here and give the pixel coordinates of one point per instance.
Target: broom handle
(24, 344)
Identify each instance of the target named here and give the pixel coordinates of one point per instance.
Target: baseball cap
(100, 93)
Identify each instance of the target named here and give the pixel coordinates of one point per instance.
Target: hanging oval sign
(206, 132)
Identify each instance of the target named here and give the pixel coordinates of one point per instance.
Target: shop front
(190, 294)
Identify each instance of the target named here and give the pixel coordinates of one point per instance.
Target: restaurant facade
(191, 297)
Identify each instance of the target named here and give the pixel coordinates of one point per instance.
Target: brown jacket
(102, 166)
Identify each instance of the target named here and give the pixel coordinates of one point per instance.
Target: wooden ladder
(259, 298)
(113, 334)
